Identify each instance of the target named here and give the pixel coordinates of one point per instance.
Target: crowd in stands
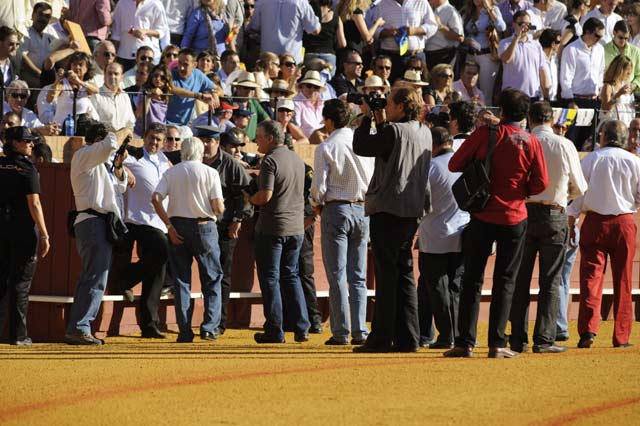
(394, 93)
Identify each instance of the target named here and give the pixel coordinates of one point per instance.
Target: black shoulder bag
(471, 190)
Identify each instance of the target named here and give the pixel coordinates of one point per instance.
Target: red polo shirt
(518, 170)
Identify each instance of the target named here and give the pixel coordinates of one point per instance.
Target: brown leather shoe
(502, 353)
(459, 352)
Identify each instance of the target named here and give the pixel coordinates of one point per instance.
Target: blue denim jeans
(95, 254)
(562, 321)
(200, 242)
(345, 233)
(277, 264)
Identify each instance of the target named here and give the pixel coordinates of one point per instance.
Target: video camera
(375, 101)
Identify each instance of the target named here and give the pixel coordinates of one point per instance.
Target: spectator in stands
(111, 103)
(633, 145)
(550, 13)
(233, 178)
(10, 119)
(170, 55)
(308, 102)
(443, 46)
(620, 45)
(616, 95)
(572, 29)
(441, 84)
(462, 121)
(468, 83)
(291, 18)
(290, 71)
(517, 158)
(9, 66)
(221, 118)
(137, 24)
(358, 33)
(94, 189)
(633, 19)
(382, 68)
(206, 63)
(330, 39)
(206, 28)
(230, 62)
(605, 14)
(17, 96)
(481, 18)
(231, 143)
(142, 75)
(240, 118)
(546, 237)
(507, 9)
(413, 22)
(244, 91)
(23, 230)
(524, 64)
(340, 181)
(279, 233)
(440, 243)
(41, 152)
(609, 229)
(144, 54)
(178, 11)
(147, 230)
(350, 79)
(401, 149)
(285, 112)
(93, 16)
(551, 40)
(103, 55)
(158, 87)
(186, 76)
(173, 141)
(37, 44)
(195, 199)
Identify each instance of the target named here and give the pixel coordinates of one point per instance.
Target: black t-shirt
(323, 42)
(352, 34)
(19, 178)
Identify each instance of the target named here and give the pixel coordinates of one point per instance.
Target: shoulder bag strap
(492, 143)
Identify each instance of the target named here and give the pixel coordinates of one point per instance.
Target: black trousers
(547, 234)
(227, 248)
(440, 282)
(395, 318)
(17, 265)
(153, 251)
(425, 311)
(477, 239)
(305, 271)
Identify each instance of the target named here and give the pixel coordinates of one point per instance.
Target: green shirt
(632, 52)
(259, 114)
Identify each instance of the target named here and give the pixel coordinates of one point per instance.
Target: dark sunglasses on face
(382, 67)
(161, 76)
(289, 64)
(445, 75)
(176, 139)
(19, 96)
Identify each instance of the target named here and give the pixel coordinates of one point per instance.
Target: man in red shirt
(517, 170)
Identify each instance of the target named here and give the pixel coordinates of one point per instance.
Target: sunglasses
(289, 64)
(19, 96)
(26, 141)
(445, 75)
(382, 67)
(523, 23)
(177, 139)
(146, 58)
(598, 36)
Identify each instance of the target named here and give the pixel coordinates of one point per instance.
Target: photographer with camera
(397, 198)
(524, 64)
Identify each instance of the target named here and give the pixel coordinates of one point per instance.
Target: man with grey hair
(103, 55)
(279, 233)
(609, 228)
(195, 200)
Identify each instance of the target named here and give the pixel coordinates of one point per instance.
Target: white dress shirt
(552, 75)
(46, 110)
(148, 15)
(608, 21)
(178, 12)
(412, 13)
(114, 108)
(566, 181)
(613, 176)
(38, 46)
(441, 229)
(94, 187)
(581, 69)
(64, 105)
(190, 185)
(553, 18)
(338, 173)
(449, 17)
(148, 171)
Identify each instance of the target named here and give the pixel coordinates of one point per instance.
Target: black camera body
(374, 100)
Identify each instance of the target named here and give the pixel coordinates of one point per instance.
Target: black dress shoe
(265, 338)
(152, 333)
(335, 342)
(548, 349)
(357, 342)
(520, 348)
(207, 335)
(405, 349)
(619, 345)
(459, 352)
(425, 343)
(220, 331)
(562, 338)
(184, 338)
(366, 349)
(441, 345)
(502, 353)
(586, 340)
(28, 342)
(315, 329)
(301, 337)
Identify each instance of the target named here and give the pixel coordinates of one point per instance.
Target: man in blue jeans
(338, 188)
(279, 233)
(195, 200)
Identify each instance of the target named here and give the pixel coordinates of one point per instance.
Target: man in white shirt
(609, 229)
(605, 14)
(546, 237)
(440, 243)
(550, 13)
(103, 55)
(146, 230)
(340, 182)
(96, 181)
(441, 48)
(112, 104)
(178, 11)
(195, 199)
(144, 54)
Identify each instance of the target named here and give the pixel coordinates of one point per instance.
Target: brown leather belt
(585, 96)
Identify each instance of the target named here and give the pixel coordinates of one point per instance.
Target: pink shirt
(309, 116)
(458, 86)
(94, 16)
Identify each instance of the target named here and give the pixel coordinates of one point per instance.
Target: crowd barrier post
(144, 112)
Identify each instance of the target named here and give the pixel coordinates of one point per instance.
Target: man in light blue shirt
(281, 23)
(186, 76)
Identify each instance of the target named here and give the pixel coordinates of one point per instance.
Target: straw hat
(313, 78)
(286, 104)
(280, 85)
(414, 77)
(246, 79)
(374, 82)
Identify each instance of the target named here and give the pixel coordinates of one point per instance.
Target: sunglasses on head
(19, 95)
